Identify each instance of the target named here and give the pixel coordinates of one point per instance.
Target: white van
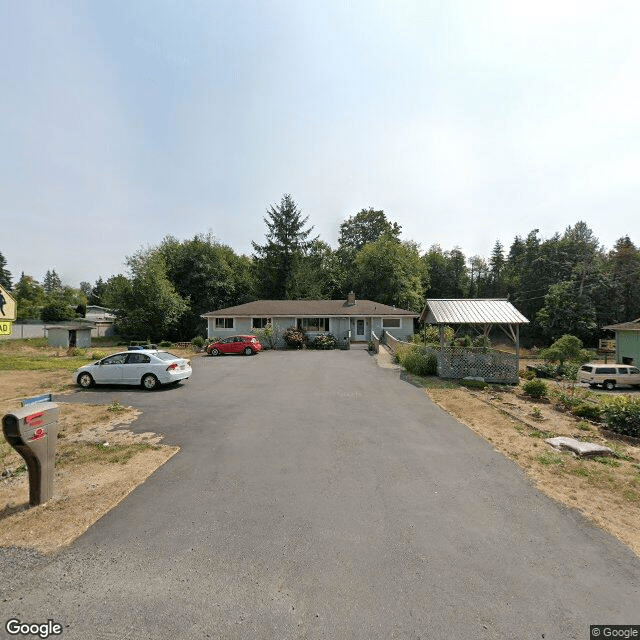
(609, 375)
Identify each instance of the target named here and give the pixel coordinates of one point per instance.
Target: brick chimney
(351, 299)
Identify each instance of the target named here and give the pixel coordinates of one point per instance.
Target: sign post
(7, 312)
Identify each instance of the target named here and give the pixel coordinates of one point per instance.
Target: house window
(224, 323)
(260, 323)
(313, 324)
(391, 323)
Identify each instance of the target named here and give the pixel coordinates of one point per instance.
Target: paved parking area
(317, 495)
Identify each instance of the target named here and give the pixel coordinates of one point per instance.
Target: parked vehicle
(248, 345)
(147, 367)
(609, 375)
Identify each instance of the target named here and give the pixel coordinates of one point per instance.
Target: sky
(467, 122)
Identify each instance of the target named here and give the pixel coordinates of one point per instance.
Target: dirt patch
(605, 490)
(98, 463)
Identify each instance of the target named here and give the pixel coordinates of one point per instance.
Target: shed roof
(633, 325)
(295, 308)
(72, 326)
(471, 311)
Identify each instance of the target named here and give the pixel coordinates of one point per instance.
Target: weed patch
(87, 452)
(549, 458)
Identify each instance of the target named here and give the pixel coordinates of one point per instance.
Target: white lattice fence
(493, 366)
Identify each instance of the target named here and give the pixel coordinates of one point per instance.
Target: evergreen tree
(319, 275)
(96, 295)
(479, 277)
(5, 276)
(52, 283)
(625, 267)
(277, 260)
(497, 284)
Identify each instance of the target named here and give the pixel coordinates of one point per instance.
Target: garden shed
(69, 334)
(627, 341)
(483, 315)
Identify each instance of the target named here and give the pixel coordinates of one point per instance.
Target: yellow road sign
(5, 328)
(7, 305)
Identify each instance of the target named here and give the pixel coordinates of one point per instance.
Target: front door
(359, 330)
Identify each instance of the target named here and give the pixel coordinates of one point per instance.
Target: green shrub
(464, 341)
(269, 335)
(535, 388)
(622, 415)
(430, 334)
(165, 344)
(324, 341)
(198, 342)
(588, 411)
(567, 401)
(482, 342)
(98, 355)
(74, 351)
(294, 337)
(527, 374)
(417, 360)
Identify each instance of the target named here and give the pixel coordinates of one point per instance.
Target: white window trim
(215, 324)
(269, 321)
(301, 319)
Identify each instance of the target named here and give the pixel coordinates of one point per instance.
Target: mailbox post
(32, 431)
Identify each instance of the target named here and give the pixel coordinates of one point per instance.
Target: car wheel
(214, 352)
(85, 380)
(248, 351)
(150, 382)
(609, 385)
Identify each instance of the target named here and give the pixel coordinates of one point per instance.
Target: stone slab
(581, 449)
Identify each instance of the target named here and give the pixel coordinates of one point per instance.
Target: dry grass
(98, 463)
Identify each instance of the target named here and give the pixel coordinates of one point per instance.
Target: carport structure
(481, 313)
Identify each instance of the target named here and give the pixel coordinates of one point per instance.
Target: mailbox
(32, 431)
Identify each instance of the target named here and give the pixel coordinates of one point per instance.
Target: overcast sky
(465, 121)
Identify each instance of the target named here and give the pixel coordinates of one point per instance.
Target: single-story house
(69, 334)
(348, 320)
(627, 341)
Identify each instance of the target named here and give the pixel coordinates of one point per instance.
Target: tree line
(565, 284)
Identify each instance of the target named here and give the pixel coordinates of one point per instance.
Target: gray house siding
(341, 327)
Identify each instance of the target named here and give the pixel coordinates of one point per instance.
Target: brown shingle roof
(634, 325)
(294, 308)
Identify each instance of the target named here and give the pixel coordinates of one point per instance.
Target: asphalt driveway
(319, 496)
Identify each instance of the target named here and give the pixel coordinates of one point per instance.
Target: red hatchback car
(235, 344)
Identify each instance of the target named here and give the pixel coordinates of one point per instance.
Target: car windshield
(165, 355)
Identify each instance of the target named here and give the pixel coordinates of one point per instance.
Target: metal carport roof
(471, 311)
